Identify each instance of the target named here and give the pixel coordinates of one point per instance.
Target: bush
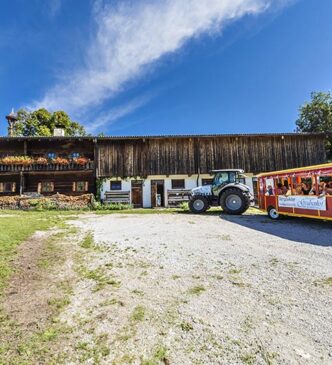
(184, 206)
(111, 206)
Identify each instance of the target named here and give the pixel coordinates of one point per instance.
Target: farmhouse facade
(145, 170)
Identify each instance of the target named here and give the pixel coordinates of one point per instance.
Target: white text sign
(302, 202)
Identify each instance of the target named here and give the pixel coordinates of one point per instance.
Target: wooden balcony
(72, 166)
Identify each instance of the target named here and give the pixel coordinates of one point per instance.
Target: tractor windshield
(222, 178)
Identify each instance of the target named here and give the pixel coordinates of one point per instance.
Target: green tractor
(226, 191)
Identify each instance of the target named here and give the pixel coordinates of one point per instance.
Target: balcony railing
(71, 166)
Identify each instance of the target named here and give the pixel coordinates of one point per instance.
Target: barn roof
(165, 136)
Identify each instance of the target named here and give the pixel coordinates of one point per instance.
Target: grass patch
(99, 276)
(327, 281)
(138, 314)
(186, 326)
(41, 345)
(15, 230)
(138, 292)
(112, 301)
(248, 359)
(59, 303)
(88, 241)
(159, 356)
(234, 271)
(196, 290)
(274, 261)
(95, 350)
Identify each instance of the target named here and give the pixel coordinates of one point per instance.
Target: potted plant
(41, 161)
(60, 161)
(81, 161)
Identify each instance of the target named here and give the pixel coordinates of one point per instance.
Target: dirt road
(183, 289)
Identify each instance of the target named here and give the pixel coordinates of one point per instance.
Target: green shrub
(184, 206)
(111, 206)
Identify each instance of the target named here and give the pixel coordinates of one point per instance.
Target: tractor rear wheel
(234, 201)
(198, 204)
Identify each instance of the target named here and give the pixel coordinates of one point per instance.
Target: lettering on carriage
(308, 202)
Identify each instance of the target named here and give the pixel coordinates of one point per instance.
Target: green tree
(316, 116)
(41, 122)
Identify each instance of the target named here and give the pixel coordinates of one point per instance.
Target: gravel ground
(208, 289)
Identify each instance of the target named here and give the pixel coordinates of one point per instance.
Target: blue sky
(166, 67)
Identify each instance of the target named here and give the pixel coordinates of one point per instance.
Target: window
(221, 178)
(178, 184)
(116, 185)
(207, 182)
(75, 155)
(46, 187)
(51, 155)
(7, 187)
(80, 186)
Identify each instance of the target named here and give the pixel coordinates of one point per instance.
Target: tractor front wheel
(198, 204)
(234, 201)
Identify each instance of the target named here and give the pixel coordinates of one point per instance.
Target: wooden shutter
(1, 187)
(13, 187)
(86, 185)
(74, 186)
(39, 186)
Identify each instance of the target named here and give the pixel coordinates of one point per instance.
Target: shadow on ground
(301, 230)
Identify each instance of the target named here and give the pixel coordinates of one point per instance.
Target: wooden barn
(161, 170)
(145, 170)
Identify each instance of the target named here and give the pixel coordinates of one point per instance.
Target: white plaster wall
(126, 186)
(190, 183)
(147, 193)
(249, 183)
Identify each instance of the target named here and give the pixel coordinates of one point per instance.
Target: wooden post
(21, 182)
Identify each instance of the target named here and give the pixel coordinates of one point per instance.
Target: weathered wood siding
(63, 183)
(188, 155)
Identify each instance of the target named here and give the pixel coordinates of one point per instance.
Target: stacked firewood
(54, 202)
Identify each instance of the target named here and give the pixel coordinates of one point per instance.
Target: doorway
(157, 193)
(137, 193)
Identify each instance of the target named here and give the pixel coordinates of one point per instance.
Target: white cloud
(133, 35)
(110, 116)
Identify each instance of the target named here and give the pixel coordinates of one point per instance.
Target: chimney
(59, 131)
(11, 119)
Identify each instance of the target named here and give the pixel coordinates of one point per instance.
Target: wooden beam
(21, 183)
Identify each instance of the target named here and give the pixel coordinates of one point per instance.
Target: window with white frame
(46, 187)
(178, 184)
(207, 182)
(80, 186)
(7, 187)
(116, 185)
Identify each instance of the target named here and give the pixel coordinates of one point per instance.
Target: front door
(157, 193)
(137, 193)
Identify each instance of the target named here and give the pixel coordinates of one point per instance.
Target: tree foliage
(316, 116)
(41, 122)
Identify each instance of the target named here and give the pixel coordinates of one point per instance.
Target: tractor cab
(223, 177)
